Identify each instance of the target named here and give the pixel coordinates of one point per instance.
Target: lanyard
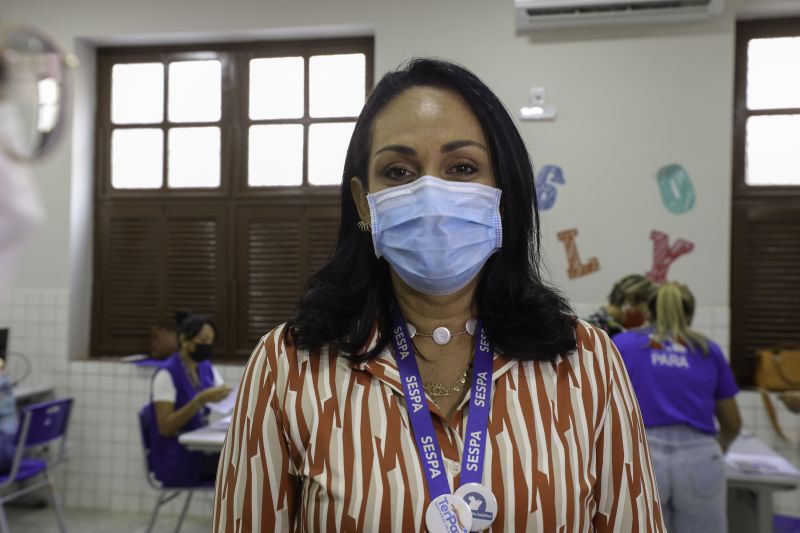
(421, 423)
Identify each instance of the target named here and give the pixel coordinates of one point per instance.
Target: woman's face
(204, 336)
(425, 131)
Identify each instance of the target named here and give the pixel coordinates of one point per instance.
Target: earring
(364, 226)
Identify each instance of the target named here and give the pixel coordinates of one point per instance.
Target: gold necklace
(437, 391)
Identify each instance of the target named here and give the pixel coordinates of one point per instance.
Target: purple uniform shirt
(676, 384)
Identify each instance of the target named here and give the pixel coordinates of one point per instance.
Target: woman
(181, 388)
(353, 415)
(682, 382)
(627, 305)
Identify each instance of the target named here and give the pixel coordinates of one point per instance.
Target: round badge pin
(481, 503)
(448, 513)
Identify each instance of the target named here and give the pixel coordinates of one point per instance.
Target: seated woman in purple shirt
(682, 382)
(181, 388)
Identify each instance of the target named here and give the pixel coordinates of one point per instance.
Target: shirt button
(454, 467)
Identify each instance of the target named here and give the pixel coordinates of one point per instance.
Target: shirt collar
(384, 369)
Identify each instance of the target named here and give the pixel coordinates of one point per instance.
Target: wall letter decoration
(677, 191)
(545, 191)
(664, 254)
(576, 268)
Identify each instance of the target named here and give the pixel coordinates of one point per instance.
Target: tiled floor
(28, 520)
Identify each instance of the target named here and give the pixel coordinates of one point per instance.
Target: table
(208, 438)
(750, 494)
(30, 394)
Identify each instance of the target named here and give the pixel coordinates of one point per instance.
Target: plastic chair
(42, 423)
(167, 494)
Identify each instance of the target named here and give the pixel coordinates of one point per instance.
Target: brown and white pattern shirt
(317, 443)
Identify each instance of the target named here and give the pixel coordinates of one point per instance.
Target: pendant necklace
(442, 335)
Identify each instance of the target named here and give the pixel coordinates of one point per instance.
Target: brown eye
(396, 173)
(463, 169)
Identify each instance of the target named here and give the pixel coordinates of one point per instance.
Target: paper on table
(766, 465)
(225, 405)
(222, 424)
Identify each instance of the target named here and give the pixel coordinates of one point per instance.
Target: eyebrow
(448, 147)
(399, 148)
(455, 145)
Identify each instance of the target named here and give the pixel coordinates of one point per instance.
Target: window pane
(137, 93)
(276, 88)
(773, 73)
(195, 91)
(336, 85)
(772, 155)
(327, 147)
(276, 155)
(193, 157)
(136, 158)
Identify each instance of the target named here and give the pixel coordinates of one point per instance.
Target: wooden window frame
(233, 195)
(753, 205)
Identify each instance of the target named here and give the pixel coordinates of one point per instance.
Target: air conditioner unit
(542, 14)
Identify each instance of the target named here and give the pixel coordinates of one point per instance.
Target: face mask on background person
(202, 352)
(633, 319)
(436, 234)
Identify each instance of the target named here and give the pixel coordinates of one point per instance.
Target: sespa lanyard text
(448, 512)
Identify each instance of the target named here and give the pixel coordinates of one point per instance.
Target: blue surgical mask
(436, 234)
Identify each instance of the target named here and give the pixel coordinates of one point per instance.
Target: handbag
(777, 370)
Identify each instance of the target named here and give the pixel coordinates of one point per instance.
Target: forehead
(206, 331)
(426, 114)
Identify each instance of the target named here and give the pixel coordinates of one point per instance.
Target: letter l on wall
(576, 268)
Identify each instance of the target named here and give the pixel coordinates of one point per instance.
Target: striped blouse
(318, 443)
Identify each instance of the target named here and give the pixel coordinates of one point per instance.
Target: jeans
(690, 472)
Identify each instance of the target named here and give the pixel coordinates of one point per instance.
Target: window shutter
(765, 309)
(278, 248)
(154, 261)
(268, 274)
(194, 275)
(127, 289)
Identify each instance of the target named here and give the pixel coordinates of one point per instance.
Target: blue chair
(166, 494)
(41, 424)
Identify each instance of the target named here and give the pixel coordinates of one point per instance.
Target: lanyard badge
(473, 507)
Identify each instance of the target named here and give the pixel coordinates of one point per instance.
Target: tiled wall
(105, 467)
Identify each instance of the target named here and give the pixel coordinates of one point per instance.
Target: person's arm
(625, 489)
(257, 482)
(726, 410)
(730, 423)
(171, 420)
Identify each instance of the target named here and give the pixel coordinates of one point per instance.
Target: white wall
(630, 100)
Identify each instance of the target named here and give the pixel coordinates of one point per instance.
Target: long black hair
(524, 318)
